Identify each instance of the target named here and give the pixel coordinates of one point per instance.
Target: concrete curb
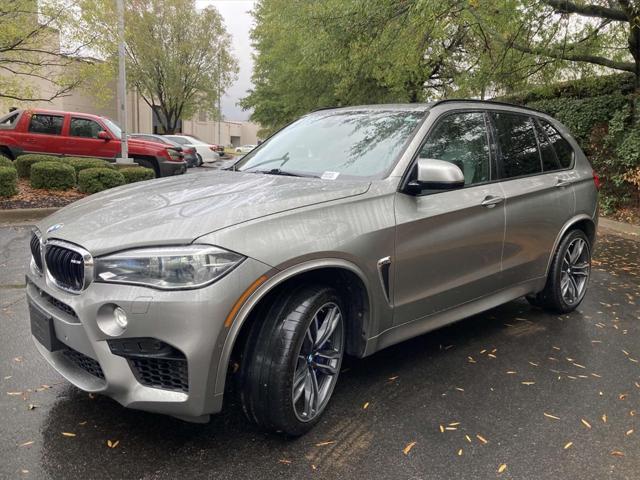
(619, 227)
(25, 215)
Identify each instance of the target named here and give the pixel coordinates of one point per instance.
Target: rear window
(8, 121)
(563, 149)
(517, 143)
(47, 124)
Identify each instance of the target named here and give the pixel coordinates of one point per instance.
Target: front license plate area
(42, 328)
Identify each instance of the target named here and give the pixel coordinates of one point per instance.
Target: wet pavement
(512, 393)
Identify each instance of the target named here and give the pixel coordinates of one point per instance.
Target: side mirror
(102, 135)
(436, 175)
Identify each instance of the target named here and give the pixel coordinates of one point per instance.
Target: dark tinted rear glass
(49, 124)
(563, 149)
(517, 144)
(549, 159)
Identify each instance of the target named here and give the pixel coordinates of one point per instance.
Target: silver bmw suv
(350, 230)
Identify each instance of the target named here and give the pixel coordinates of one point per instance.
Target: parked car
(206, 152)
(245, 148)
(188, 153)
(80, 135)
(349, 231)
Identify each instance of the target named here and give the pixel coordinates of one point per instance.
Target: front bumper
(191, 321)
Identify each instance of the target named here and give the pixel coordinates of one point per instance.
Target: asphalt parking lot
(511, 393)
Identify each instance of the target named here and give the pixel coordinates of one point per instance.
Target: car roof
(59, 112)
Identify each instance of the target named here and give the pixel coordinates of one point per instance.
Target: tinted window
(83, 127)
(180, 140)
(9, 120)
(549, 159)
(560, 145)
(49, 124)
(517, 143)
(461, 139)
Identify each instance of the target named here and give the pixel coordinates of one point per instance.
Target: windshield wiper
(284, 159)
(277, 171)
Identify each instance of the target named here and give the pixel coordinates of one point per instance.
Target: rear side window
(9, 120)
(517, 143)
(549, 159)
(47, 124)
(461, 139)
(83, 127)
(563, 149)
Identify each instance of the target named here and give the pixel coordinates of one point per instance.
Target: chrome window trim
(87, 259)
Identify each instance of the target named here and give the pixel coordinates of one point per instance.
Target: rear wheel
(292, 360)
(199, 161)
(568, 276)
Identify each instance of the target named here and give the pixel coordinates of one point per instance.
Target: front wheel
(199, 161)
(568, 276)
(292, 361)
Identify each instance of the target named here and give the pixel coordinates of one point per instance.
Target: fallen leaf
(468, 438)
(285, 461)
(568, 445)
(31, 406)
(482, 439)
(502, 468)
(408, 448)
(604, 418)
(548, 415)
(511, 372)
(629, 432)
(585, 423)
(322, 444)
(365, 406)
(528, 383)
(68, 434)
(460, 452)
(393, 378)
(617, 453)
(441, 429)
(26, 444)
(14, 393)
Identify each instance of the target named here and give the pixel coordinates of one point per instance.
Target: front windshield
(111, 125)
(335, 144)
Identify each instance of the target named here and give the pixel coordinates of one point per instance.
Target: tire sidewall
(562, 250)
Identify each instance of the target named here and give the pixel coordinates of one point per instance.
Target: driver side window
(461, 139)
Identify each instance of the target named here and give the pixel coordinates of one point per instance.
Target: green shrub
(93, 180)
(6, 162)
(137, 174)
(24, 162)
(53, 175)
(83, 163)
(8, 181)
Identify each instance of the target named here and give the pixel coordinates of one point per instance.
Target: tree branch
(588, 10)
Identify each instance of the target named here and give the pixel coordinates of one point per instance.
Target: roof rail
(485, 102)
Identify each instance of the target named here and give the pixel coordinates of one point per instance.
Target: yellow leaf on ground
(322, 444)
(548, 415)
(408, 448)
(460, 452)
(604, 418)
(617, 453)
(585, 423)
(568, 445)
(482, 439)
(365, 406)
(468, 438)
(629, 432)
(26, 444)
(502, 467)
(528, 383)
(68, 434)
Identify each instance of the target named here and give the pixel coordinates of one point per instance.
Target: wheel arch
(347, 277)
(583, 222)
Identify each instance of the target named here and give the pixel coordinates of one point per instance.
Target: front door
(84, 141)
(449, 243)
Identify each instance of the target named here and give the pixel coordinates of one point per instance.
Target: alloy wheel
(318, 363)
(576, 268)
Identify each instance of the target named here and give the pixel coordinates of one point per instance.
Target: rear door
(449, 243)
(539, 195)
(44, 134)
(83, 139)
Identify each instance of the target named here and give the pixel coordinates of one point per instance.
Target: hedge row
(91, 175)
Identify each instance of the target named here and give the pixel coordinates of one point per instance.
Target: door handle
(491, 201)
(563, 182)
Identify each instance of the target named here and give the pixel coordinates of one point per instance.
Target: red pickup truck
(80, 135)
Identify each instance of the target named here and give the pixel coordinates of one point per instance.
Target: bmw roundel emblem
(55, 227)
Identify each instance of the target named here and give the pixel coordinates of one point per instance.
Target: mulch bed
(28, 197)
(627, 214)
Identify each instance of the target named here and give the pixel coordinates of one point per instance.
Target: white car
(245, 148)
(206, 152)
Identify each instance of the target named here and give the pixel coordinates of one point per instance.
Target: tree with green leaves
(178, 58)
(33, 68)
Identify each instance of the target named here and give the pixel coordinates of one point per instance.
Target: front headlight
(167, 268)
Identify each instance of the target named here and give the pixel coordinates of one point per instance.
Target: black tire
(199, 162)
(552, 298)
(153, 165)
(273, 354)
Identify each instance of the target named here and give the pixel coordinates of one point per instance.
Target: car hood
(180, 209)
